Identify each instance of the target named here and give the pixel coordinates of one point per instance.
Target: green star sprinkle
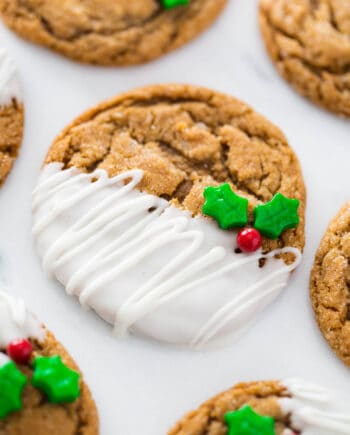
(169, 4)
(247, 422)
(229, 209)
(276, 216)
(55, 379)
(12, 382)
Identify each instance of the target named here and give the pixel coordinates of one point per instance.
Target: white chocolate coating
(4, 359)
(9, 83)
(313, 410)
(16, 322)
(145, 265)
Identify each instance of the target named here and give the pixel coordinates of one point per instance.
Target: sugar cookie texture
(295, 405)
(105, 32)
(11, 115)
(329, 284)
(38, 416)
(309, 42)
(117, 213)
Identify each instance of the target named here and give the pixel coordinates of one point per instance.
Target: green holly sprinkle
(276, 216)
(246, 421)
(55, 379)
(12, 382)
(169, 4)
(227, 208)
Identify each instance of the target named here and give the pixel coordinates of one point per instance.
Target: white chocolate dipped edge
(9, 83)
(313, 410)
(16, 322)
(147, 266)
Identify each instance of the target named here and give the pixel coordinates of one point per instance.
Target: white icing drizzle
(145, 265)
(4, 359)
(16, 322)
(9, 83)
(313, 411)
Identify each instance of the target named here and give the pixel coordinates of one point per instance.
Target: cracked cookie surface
(109, 33)
(39, 417)
(185, 138)
(11, 115)
(309, 41)
(330, 283)
(209, 418)
(11, 132)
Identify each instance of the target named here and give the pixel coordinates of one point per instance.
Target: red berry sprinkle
(249, 240)
(20, 350)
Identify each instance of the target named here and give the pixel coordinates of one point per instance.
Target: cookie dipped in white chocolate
(313, 410)
(145, 265)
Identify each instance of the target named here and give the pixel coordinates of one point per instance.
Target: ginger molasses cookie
(11, 115)
(330, 284)
(309, 41)
(290, 407)
(175, 212)
(106, 32)
(41, 389)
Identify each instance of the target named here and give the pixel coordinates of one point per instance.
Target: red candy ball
(20, 350)
(249, 240)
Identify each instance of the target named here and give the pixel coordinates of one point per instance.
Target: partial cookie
(126, 207)
(309, 41)
(11, 115)
(330, 284)
(41, 389)
(290, 407)
(105, 32)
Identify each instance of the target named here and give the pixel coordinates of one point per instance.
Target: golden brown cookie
(103, 32)
(11, 115)
(148, 260)
(330, 280)
(267, 408)
(309, 41)
(32, 410)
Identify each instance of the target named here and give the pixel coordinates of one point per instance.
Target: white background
(143, 387)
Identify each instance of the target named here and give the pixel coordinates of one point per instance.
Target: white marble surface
(142, 387)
